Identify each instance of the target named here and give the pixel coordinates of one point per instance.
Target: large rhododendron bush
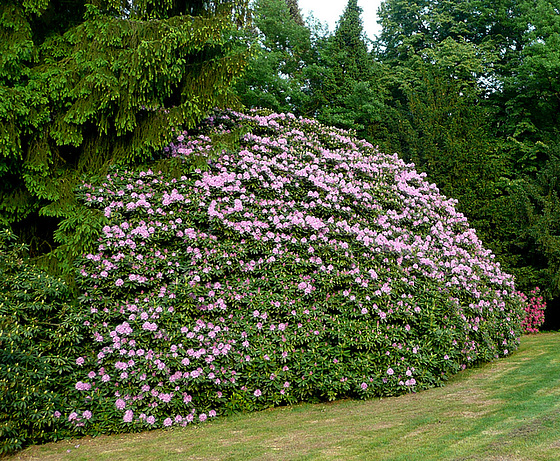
(297, 263)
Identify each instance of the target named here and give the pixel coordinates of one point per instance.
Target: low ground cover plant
(296, 263)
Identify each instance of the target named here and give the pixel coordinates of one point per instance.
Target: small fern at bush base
(300, 265)
(534, 308)
(39, 336)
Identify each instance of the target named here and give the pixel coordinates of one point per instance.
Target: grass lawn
(507, 410)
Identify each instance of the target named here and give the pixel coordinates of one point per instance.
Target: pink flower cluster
(534, 311)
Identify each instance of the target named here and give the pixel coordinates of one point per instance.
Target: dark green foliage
(530, 102)
(476, 85)
(85, 85)
(40, 337)
(350, 42)
(528, 119)
(445, 129)
(536, 212)
(347, 95)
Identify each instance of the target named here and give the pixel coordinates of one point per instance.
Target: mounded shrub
(40, 337)
(298, 263)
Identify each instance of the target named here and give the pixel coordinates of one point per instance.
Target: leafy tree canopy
(274, 79)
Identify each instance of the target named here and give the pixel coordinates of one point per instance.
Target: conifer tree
(85, 84)
(347, 92)
(295, 12)
(350, 43)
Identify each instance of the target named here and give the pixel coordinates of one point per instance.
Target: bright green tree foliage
(274, 78)
(332, 78)
(87, 84)
(531, 95)
(409, 27)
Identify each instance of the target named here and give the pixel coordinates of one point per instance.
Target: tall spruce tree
(350, 44)
(85, 84)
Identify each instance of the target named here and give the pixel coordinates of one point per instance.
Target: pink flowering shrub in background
(299, 264)
(534, 311)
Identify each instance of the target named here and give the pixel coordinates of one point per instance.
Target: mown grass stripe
(505, 410)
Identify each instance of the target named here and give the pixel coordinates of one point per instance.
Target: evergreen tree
(350, 44)
(535, 207)
(346, 87)
(295, 12)
(86, 84)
